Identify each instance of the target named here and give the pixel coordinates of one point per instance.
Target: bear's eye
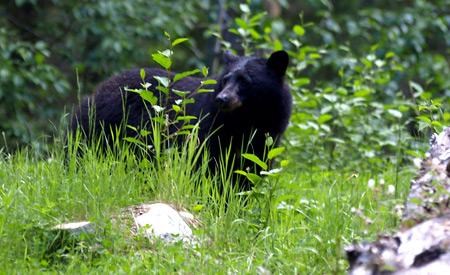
(244, 78)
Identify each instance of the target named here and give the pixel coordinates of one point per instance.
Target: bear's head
(249, 81)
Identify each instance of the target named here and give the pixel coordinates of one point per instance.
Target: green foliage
(432, 112)
(331, 45)
(369, 81)
(351, 103)
(170, 125)
(43, 46)
(266, 184)
(30, 87)
(311, 215)
(353, 119)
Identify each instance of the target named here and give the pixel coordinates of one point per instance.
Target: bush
(29, 90)
(367, 77)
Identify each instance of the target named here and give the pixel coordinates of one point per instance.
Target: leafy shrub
(365, 75)
(29, 89)
(351, 107)
(82, 43)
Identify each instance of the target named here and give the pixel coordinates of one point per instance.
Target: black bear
(249, 102)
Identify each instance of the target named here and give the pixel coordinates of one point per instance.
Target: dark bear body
(249, 99)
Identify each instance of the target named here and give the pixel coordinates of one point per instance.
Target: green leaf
(132, 127)
(176, 108)
(244, 8)
(255, 159)
(253, 178)
(315, 55)
(179, 133)
(159, 119)
(424, 119)
(256, 19)
(437, 125)
(144, 132)
(324, 118)
(241, 172)
(299, 30)
(205, 71)
(425, 95)
(284, 163)
(363, 92)
(182, 75)
(277, 46)
(446, 116)
(200, 91)
(301, 81)
(275, 152)
(39, 58)
(145, 95)
(179, 41)
(188, 101)
(389, 55)
(416, 87)
(162, 60)
(146, 85)
(198, 207)
(142, 73)
(158, 108)
(164, 81)
(272, 172)
(209, 82)
(269, 141)
(255, 35)
(395, 113)
(162, 89)
(188, 127)
(185, 118)
(134, 141)
(337, 140)
(167, 53)
(149, 97)
(179, 93)
(241, 23)
(325, 127)
(330, 98)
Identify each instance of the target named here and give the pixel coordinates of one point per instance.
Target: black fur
(249, 96)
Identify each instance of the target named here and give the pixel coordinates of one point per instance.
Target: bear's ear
(278, 62)
(229, 58)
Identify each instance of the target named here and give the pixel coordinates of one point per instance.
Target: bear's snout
(222, 100)
(227, 101)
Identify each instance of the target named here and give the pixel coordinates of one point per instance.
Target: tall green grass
(313, 213)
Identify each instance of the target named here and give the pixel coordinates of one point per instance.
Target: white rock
(76, 227)
(163, 221)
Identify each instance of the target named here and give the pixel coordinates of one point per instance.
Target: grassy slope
(310, 221)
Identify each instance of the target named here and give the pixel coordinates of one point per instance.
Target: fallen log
(422, 244)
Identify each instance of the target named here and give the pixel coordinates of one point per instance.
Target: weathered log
(422, 244)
